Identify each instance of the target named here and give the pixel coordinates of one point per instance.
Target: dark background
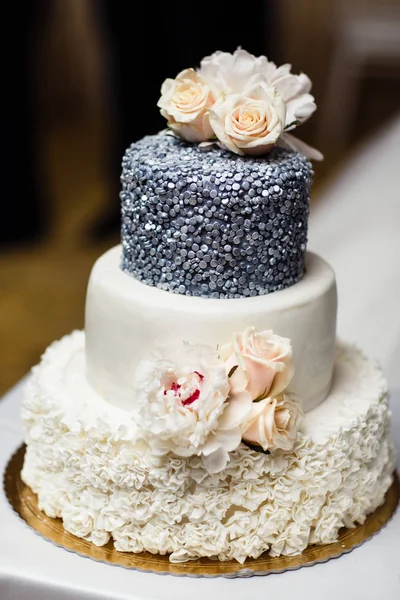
(143, 44)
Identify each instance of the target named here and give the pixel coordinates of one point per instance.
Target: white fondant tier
(127, 320)
(84, 465)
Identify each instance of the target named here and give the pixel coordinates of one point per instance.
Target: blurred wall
(351, 51)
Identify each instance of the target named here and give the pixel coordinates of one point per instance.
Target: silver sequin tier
(211, 223)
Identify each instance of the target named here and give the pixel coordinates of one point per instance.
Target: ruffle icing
(86, 468)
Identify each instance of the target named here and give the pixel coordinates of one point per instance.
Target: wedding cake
(208, 409)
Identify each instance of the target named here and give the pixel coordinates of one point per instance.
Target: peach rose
(274, 423)
(258, 362)
(251, 122)
(185, 102)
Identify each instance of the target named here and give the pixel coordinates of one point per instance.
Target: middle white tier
(127, 320)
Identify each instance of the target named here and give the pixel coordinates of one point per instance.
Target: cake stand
(32, 568)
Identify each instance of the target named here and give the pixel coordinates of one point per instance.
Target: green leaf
(231, 372)
(292, 124)
(261, 396)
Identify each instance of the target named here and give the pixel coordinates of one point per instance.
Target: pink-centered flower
(189, 390)
(183, 406)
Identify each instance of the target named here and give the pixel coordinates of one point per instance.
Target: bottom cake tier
(84, 466)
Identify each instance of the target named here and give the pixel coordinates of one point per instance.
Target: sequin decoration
(210, 223)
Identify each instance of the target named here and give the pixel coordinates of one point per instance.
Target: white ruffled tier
(84, 466)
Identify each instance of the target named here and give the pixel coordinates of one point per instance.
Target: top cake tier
(210, 223)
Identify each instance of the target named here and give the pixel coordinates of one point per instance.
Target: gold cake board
(24, 502)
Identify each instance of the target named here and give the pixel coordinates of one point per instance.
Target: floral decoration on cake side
(243, 103)
(261, 365)
(200, 402)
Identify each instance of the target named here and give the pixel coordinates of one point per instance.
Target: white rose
(274, 422)
(183, 406)
(185, 102)
(258, 362)
(300, 105)
(294, 89)
(249, 123)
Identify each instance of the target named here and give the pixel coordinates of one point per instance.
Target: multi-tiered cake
(208, 409)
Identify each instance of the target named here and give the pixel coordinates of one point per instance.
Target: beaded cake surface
(210, 223)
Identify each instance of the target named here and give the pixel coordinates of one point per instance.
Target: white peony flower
(274, 422)
(235, 73)
(260, 363)
(294, 89)
(183, 406)
(251, 122)
(185, 103)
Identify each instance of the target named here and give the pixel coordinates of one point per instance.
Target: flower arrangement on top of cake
(243, 103)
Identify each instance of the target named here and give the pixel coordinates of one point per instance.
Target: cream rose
(258, 362)
(185, 102)
(249, 123)
(274, 423)
(183, 406)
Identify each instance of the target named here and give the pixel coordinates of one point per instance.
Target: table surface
(356, 228)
